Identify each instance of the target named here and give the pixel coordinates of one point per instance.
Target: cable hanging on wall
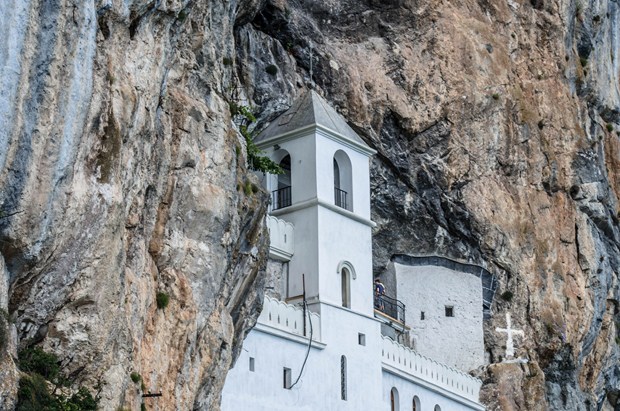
(305, 307)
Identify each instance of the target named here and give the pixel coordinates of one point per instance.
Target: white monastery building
(324, 343)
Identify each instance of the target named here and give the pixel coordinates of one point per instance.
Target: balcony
(390, 307)
(340, 198)
(282, 239)
(281, 198)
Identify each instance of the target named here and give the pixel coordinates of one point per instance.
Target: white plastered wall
(319, 386)
(456, 341)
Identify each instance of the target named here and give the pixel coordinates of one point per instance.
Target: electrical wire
(309, 346)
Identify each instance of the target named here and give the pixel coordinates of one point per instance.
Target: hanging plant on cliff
(243, 117)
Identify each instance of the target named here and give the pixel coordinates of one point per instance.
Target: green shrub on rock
(162, 300)
(35, 360)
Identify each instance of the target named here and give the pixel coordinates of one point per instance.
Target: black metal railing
(340, 197)
(281, 198)
(390, 306)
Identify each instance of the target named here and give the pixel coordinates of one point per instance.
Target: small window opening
(361, 339)
(345, 286)
(421, 315)
(287, 378)
(343, 378)
(252, 364)
(449, 311)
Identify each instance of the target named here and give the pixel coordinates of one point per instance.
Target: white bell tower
(325, 194)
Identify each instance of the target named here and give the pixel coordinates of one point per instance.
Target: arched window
(345, 280)
(394, 399)
(437, 407)
(281, 197)
(343, 181)
(416, 404)
(347, 273)
(343, 378)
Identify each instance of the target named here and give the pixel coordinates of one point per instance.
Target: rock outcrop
(122, 175)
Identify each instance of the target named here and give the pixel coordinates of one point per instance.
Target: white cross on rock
(510, 332)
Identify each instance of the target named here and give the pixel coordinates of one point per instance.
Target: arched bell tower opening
(343, 181)
(281, 197)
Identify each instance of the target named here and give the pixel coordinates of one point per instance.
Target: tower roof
(309, 110)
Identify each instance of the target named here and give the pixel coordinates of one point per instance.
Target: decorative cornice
(279, 254)
(318, 129)
(320, 202)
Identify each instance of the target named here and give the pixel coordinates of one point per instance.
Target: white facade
(373, 370)
(282, 236)
(427, 291)
(336, 345)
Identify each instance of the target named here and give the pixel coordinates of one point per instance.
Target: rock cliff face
(122, 175)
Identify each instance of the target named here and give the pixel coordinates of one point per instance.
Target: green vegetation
(495, 96)
(227, 61)
(182, 15)
(578, 8)
(507, 296)
(35, 360)
(135, 377)
(271, 69)
(162, 300)
(42, 372)
(583, 61)
(244, 117)
(610, 127)
(250, 188)
(143, 407)
(33, 394)
(247, 189)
